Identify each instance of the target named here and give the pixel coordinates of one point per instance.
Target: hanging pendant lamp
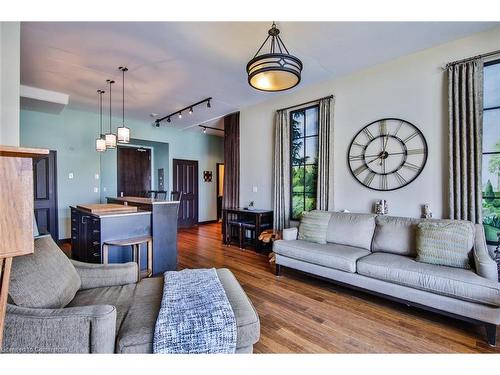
(110, 137)
(277, 70)
(123, 133)
(100, 143)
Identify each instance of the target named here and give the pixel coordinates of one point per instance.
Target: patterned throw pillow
(446, 243)
(313, 226)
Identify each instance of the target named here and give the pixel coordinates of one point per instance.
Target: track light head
(168, 119)
(209, 105)
(180, 114)
(191, 110)
(157, 123)
(204, 130)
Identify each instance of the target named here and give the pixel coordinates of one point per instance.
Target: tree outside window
(303, 160)
(491, 151)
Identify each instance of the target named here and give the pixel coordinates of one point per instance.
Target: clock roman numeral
(411, 136)
(383, 182)
(411, 166)
(383, 128)
(368, 134)
(356, 157)
(369, 178)
(400, 179)
(415, 151)
(397, 129)
(358, 144)
(360, 169)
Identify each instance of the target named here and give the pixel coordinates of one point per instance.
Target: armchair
(40, 319)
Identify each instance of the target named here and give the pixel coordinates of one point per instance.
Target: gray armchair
(50, 307)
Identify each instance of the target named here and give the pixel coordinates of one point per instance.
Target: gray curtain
(231, 188)
(465, 100)
(282, 170)
(324, 134)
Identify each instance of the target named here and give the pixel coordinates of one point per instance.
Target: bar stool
(136, 252)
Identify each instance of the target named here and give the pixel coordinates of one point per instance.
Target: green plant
(489, 194)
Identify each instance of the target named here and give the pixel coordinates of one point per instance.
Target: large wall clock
(387, 154)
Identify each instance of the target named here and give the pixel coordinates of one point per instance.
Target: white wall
(10, 42)
(413, 88)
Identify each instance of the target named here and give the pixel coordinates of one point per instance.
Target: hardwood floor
(301, 314)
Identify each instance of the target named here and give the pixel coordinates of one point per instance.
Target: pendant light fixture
(100, 143)
(277, 70)
(123, 133)
(110, 137)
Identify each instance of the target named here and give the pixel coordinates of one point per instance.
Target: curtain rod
(301, 104)
(488, 54)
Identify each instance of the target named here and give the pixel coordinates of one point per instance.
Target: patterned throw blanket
(195, 315)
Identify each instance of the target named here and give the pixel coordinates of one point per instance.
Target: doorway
(45, 194)
(185, 180)
(133, 171)
(220, 189)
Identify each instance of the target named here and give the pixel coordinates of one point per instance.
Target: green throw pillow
(313, 226)
(446, 243)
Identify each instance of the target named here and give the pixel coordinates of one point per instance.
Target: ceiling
(174, 64)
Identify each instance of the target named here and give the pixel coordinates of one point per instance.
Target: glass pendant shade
(110, 140)
(123, 134)
(276, 70)
(100, 145)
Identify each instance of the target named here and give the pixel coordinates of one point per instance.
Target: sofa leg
(491, 333)
(278, 270)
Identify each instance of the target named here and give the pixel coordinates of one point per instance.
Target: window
(491, 151)
(303, 160)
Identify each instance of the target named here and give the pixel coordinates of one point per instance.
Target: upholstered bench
(62, 306)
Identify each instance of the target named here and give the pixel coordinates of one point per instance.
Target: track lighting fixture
(204, 128)
(189, 109)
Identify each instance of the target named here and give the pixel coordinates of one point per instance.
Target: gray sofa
(377, 254)
(62, 306)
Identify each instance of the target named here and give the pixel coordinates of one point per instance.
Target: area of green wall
(72, 134)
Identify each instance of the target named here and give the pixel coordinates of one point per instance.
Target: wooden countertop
(23, 152)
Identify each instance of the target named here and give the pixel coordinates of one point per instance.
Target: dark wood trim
(490, 328)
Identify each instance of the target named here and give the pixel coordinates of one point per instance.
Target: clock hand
(371, 161)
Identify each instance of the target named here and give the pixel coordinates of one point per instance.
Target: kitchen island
(163, 229)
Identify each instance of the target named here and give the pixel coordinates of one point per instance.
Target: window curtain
(325, 133)
(465, 100)
(281, 170)
(231, 197)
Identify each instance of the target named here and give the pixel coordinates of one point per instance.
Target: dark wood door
(134, 171)
(45, 194)
(186, 181)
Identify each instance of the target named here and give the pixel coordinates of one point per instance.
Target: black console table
(258, 217)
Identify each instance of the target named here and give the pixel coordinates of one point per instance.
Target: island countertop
(139, 200)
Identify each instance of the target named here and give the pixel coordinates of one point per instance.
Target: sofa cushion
(395, 235)
(120, 297)
(313, 226)
(137, 330)
(340, 257)
(448, 281)
(446, 243)
(44, 279)
(351, 229)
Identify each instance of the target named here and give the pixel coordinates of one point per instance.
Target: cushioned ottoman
(137, 310)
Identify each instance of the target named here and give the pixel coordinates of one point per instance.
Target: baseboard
(207, 222)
